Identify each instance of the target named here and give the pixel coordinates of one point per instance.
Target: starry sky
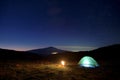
(66, 24)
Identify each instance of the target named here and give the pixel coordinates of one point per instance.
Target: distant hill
(47, 51)
(10, 55)
(109, 48)
(110, 52)
(107, 54)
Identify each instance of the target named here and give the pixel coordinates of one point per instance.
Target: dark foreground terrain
(15, 65)
(39, 71)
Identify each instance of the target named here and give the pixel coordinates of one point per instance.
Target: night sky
(66, 24)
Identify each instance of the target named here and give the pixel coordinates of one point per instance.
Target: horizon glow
(68, 48)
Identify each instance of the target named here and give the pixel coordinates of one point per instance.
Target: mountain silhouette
(110, 52)
(11, 55)
(107, 54)
(46, 51)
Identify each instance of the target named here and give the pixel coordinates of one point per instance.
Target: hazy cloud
(76, 48)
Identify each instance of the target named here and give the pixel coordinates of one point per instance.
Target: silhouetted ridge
(8, 55)
(109, 48)
(46, 51)
(108, 53)
(50, 48)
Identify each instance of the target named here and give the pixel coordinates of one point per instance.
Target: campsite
(64, 66)
(59, 39)
(36, 71)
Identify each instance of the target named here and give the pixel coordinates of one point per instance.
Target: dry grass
(36, 71)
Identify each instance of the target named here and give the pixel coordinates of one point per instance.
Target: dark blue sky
(66, 24)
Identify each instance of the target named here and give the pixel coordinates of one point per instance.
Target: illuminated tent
(88, 61)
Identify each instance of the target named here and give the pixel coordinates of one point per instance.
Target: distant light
(63, 63)
(54, 52)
